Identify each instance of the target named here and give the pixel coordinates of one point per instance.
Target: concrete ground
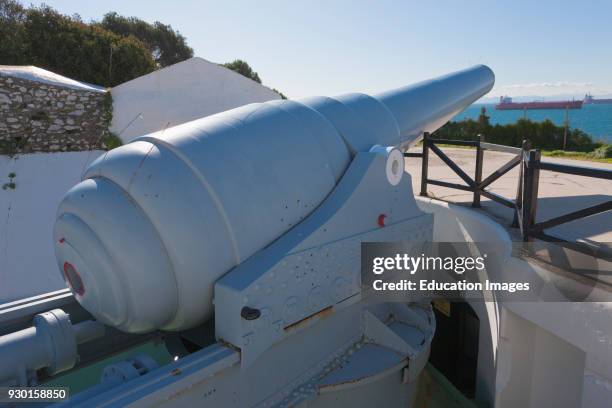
(558, 193)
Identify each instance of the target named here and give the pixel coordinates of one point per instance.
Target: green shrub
(543, 135)
(43, 37)
(166, 45)
(111, 141)
(602, 152)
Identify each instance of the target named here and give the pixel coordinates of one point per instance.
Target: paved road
(559, 193)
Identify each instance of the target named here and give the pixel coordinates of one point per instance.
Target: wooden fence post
(519, 187)
(424, 164)
(531, 178)
(478, 172)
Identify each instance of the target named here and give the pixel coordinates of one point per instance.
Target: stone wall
(39, 117)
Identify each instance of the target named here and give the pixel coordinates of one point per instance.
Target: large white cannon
(155, 223)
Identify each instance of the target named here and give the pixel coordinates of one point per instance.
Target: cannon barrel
(426, 106)
(154, 223)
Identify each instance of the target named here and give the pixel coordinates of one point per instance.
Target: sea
(595, 120)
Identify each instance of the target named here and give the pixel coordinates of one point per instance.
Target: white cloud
(551, 89)
(562, 84)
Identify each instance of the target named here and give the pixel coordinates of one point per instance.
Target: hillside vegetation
(107, 52)
(543, 135)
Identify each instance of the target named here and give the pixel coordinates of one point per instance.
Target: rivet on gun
(249, 313)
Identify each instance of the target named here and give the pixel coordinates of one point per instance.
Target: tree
(85, 52)
(12, 49)
(243, 69)
(109, 52)
(166, 45)
(483, 119)
(282, 95)
(543, 135)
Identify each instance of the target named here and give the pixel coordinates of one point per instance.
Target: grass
(586, 156)
(575, 156)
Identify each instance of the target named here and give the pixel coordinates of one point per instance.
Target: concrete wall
(586, 327)
(180, 93)
(41, 117)
(543, 353)
(546, 369)
(27, 213)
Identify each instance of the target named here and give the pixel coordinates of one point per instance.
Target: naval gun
(254, 217)
(145, 236)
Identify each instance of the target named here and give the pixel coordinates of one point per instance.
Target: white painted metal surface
(156, 222)
(50, 344)
(354, 357)
(316, 265)
(315, 337)
(426, 106)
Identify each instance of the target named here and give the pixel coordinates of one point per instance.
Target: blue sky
(541, 48)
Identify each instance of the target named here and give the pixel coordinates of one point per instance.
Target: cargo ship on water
(505, 103)
(589, 100)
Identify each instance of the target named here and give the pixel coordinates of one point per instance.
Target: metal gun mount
(259, 211)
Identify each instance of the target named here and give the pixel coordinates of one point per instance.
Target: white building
(189, 90)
